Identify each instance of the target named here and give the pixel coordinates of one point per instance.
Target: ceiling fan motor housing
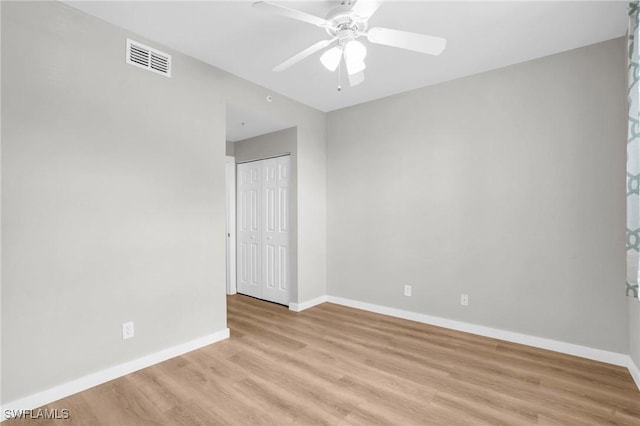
(344, 25)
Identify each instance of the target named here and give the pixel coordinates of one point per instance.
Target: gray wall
(267, 145)
(230, 149)
(113, 197)
(634, 331)
(508, 186)
(271, 145)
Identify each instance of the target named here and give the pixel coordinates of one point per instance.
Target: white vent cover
(148, 58)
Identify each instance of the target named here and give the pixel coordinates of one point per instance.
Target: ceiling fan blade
(305, 53)
(405, 40)
(355, 79)
(291, 13)
(365, 8)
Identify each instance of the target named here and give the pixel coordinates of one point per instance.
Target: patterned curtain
(633, 156)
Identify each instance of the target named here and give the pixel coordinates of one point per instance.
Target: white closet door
(275, 230)
(249, 229)
(263, 229)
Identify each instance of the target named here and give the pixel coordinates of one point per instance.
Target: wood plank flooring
(340, 366)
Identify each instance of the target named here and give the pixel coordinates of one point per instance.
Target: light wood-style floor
(337, 365)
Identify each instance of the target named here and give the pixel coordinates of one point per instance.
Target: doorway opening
(261, 174)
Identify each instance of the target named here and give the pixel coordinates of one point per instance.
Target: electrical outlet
(464, 299)
(127, 330)
(407, 290)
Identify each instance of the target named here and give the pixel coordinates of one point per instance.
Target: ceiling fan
(345, 25)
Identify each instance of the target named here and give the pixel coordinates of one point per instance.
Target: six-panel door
(263, 229)
(249, 228)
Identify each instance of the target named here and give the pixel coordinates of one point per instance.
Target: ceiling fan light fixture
(354, 54)
(331, 58)
(354, 66)
(356, 50)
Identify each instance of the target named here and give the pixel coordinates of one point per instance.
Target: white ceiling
(243, 123)
(234, 36)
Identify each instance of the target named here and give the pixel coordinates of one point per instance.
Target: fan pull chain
(339, 75)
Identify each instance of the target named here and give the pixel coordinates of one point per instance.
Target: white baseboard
(633, 370)
(61, 391)
(509, 336)
(298, 307)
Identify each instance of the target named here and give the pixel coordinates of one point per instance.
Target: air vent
(148, 58)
